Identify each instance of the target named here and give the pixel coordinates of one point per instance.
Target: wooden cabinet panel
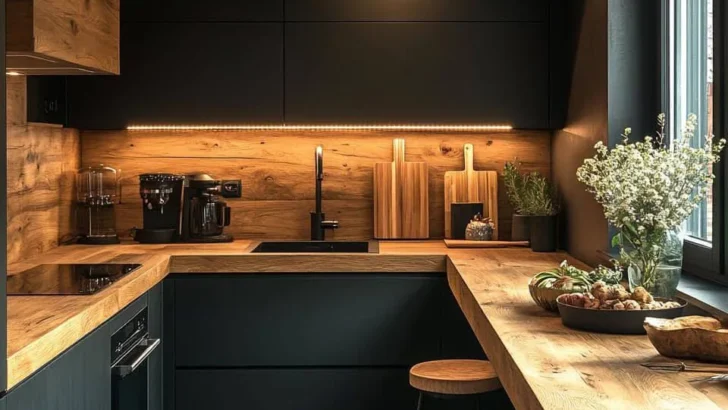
(186, 73)
(306, 320)
(278, 389)
(201, 11)
(422, 73)
(63, 36)
(79, 379)
(417, 10)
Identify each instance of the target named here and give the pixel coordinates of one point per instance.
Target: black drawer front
(307, 320)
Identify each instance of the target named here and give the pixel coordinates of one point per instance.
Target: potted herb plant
(516, 185)
(648, 189)
(541, 206)
(531, 196)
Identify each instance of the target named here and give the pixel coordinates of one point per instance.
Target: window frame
(700, 259)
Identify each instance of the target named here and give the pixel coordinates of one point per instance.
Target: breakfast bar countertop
(541, 364)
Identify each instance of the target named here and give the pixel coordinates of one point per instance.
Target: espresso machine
(204, 214)
(97, 193)
(162, 206)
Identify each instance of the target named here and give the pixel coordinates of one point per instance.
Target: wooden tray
(460, 243)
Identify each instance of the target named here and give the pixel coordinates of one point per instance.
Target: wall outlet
(232, 188)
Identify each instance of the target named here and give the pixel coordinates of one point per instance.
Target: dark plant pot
(520, 228)
(543, 233)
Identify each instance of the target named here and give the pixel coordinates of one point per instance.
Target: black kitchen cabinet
(418, 73)
(46, 99)
(309, 341)
(307, 320)
(192, 73)
(154, 303)
(302, 389)
(78, 379)
(201, 11)
(420, 10)
(458, 339)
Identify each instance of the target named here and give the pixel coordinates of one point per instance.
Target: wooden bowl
(546, 297)
(620, 322)
(689, 337)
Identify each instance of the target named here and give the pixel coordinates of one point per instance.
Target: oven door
(129, 377)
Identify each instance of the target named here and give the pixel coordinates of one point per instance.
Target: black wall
(634, 61)
(328, 61)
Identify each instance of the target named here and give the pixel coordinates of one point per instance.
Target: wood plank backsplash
(277, 171)
(42, 161)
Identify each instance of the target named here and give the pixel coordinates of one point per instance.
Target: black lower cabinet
(310, 341)
(79, 379)
(154, 381)
(301, 389)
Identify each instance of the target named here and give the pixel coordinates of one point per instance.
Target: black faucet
(319, 224)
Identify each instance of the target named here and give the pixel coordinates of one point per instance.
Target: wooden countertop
(542, 364)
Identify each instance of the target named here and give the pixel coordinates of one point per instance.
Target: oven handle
(122, 371)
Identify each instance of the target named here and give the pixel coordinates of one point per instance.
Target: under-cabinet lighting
(13, 73)
(325, 127)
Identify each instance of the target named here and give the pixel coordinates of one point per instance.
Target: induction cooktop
(67, 279)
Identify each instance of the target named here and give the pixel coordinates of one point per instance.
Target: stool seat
(454, 377)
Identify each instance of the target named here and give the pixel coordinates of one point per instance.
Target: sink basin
(318, 247)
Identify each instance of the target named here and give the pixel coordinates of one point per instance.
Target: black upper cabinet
(416, 10)
(201, 11)
(418, 72)
(186, 73)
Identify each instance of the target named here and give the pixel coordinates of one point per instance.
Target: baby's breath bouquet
(648, 189)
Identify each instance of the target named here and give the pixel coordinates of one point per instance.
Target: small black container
(543, 233)
(460, 216)
(520, 228)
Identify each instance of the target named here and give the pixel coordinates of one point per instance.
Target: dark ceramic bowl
(621, 322)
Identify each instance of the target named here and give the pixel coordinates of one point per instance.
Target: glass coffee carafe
(209, 215)
(97, 193)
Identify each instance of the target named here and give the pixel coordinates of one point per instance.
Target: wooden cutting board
(471, 186)
(401, 198)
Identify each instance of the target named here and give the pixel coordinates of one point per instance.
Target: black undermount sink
(318, 247)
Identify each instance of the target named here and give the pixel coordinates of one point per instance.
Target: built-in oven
(131, 348)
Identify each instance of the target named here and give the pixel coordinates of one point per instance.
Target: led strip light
(324, 127)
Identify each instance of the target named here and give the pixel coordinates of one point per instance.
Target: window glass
(690, 86)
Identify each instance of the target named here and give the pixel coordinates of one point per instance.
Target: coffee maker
(162, 204)
(97, 193)
(204, 214)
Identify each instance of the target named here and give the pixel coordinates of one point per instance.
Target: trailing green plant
(529, 193)
(564, 277)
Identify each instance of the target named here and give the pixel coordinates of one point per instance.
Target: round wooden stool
(453, 378)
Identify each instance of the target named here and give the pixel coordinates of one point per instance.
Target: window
(692, 75)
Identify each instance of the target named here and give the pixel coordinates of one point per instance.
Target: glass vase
(661, 275)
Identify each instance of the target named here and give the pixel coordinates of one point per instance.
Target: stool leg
(419, 401)
(477, 402)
